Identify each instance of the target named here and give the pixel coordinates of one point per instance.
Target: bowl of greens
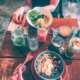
(39, 17)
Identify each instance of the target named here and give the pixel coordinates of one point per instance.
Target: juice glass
(42, 34)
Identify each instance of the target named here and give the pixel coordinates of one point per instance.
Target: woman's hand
(18, 15)
(17, 74)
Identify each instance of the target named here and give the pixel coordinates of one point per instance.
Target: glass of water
(32, 39)
(33, 43)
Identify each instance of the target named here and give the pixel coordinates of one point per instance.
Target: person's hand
(18, 15)
(17, 74)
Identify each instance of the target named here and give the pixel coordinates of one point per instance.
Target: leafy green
(72, 44)
(19, 41)
(34, 14)
(53, 72)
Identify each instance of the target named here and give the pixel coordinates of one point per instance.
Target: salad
(38, 19)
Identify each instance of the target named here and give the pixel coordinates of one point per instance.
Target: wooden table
(11, 57)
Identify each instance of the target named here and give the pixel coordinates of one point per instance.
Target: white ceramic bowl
(42, 11)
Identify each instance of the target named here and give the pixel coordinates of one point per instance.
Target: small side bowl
(66, 35)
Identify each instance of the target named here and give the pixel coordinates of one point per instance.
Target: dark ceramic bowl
(54, 77)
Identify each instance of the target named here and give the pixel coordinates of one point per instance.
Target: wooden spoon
(29, 57)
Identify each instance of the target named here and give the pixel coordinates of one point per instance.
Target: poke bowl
(39, 17)
(49, 65)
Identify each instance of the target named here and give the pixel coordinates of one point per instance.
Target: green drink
(17, 37)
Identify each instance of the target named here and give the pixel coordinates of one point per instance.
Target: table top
(11, 56)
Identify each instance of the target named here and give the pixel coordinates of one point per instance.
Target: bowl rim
(39, 56)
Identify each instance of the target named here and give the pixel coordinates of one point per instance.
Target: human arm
(52, 6)
(18, 14)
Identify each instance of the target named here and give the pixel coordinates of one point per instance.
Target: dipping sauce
(64, 31)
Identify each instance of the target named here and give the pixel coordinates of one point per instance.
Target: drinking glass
(72, 48)
(32, 39)
(57, 40)
(55, 32)
(42, 34)
(17, 37)
(33, 43)
(56, 44)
